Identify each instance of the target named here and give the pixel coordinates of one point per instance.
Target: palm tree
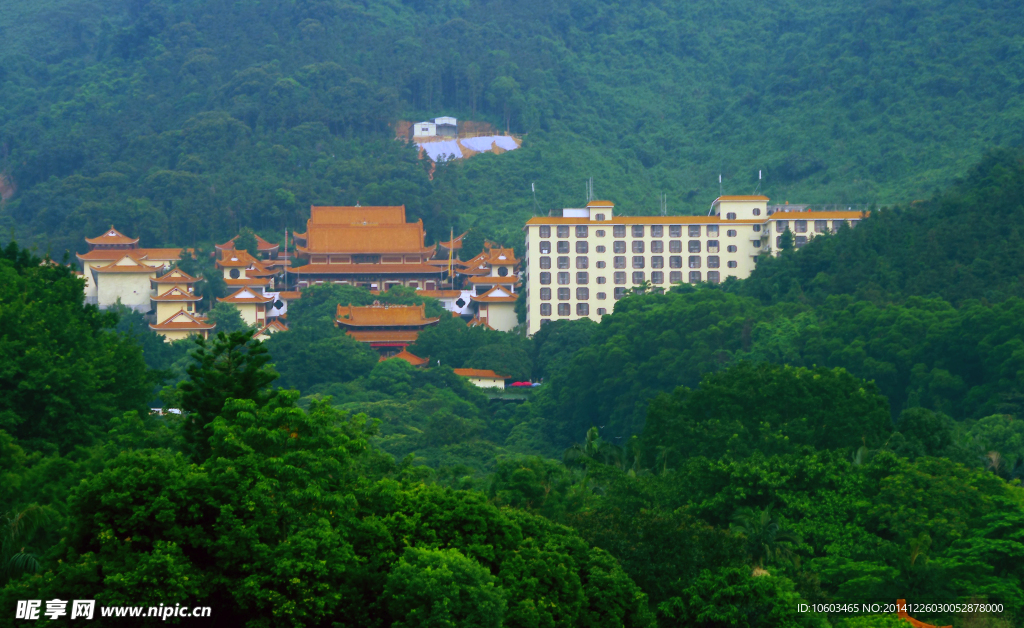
(17, 527)
(766, 539)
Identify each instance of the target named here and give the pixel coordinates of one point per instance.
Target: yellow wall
(167, 309)
(131, 288)
(248, 312)
(487, 382)
(501, 316)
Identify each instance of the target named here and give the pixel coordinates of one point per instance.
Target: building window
(545, 262)
(713, 276)
(757, 211)
(563, 309)
(619, 293)
(693, 246)
(601, 280)
(601, 311)
(601, 264)
(757, 244)
(730, 216)
(601, 296)
(675, 231)
(675, 246)
(757, 228)
(545, 309)
(619, 231)
(619, 246)
(694, 276)
(563, 262)
(658, 277)
(582, 278)
(563, 247)
(544, 321)
(620, 278)
(563, 231)
(799, 241)
(694, 261)
(657, 231)
(657, 261)
(581, 231)
(731, 248)
(675, 277)
(820, 226)
(234, 273)
(582, 294)
(563, 294)
(712, 246)
(563, 279)
(638, 277)
(693, 231)
(619, 261)
(731, 233)
(545, 247)
(731, 264)
(778, 242)
(581, 246)
(657, 246)
(582, 261)
(638, 231)
(599, 216)
(503, 271)
(638, 246)
(545, 279)
(582, 309)
(800, 226)
(781, 225)
(600, 248)
(545, 294)
(713, 261)
(675, 261)
(545, 231)
(712, 231)
(599, 233)
(638, 261)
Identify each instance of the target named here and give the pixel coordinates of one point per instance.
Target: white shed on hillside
(424, 129)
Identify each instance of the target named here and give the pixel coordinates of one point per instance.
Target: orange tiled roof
(261, 245)
(740, 198)
(479, 373)
(363, 269)
(342, 215)
(271, 327)
(238, 258)
(251, 282)
(368, 238)
(440, 294)
(176, 294)
(457, 242)
(499, 256)
(112, 236)
(384, 316)
(383, 336)
(176, 275)
(244, 295)
(415, 360)
(127, 263)
(162, 255)
(600, 204)
(496, 295)
(288, 295)
(510, 280)
(182, 320)
(811, 215)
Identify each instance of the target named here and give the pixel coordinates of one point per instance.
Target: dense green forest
(716, 455)
(182, 120)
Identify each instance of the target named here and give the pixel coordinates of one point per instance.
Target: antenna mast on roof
(664, 204)
(533, 188)
(758, 188)
(719, 183)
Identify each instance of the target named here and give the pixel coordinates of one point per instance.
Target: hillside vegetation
(181, 120)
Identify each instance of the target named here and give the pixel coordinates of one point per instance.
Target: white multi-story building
(578, 264)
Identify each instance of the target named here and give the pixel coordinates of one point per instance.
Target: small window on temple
(757, 211)
(730, 216)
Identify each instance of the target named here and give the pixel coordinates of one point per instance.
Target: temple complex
(387, 328)
(117, 269)
(253, 305)
(372, 247)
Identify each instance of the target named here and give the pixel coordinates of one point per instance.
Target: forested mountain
(181, 120)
